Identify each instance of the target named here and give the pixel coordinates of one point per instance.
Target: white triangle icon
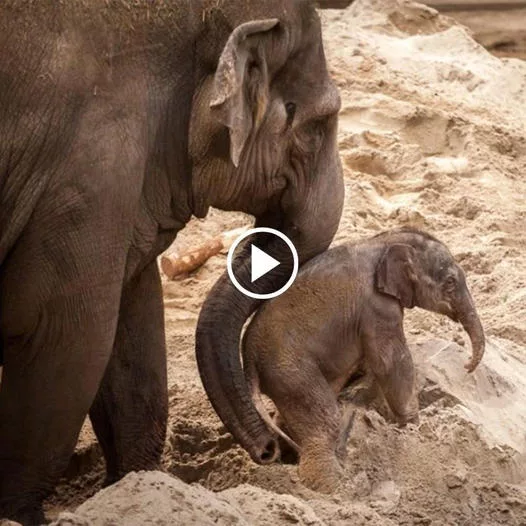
(260, 263)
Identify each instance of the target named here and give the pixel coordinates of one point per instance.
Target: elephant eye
(451, 282)
(290, 108)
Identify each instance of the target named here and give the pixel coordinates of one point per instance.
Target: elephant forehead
(439, 261)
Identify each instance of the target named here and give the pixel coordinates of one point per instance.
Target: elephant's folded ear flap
(395, 274)
(241, 86)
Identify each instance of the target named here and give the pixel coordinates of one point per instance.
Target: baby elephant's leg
(361, 392)
(392, 365)
(311, 414)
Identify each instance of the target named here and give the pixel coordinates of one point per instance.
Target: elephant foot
(408, 419)
(320, 472)
(410, 415)
(26, 516)
(109, 480)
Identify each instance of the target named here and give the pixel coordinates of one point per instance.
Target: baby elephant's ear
(395, 274)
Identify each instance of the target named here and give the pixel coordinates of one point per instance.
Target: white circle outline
(270, 295)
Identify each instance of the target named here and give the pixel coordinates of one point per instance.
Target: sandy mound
(433, 134)
(458, 465)
(492, 398)
(157, 498)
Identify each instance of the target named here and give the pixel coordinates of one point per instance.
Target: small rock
(431, 393)
(362, 484)
(385, 496)
(294, 477)
(464, 208)
(408, 216)
(474, 502)
(499, 489)
(289, 516)
(373, 419)
(426, 430)
(70, 519)
(420, 517)
(459, 339)
(457, 479)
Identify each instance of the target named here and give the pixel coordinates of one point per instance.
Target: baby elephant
(344, 314)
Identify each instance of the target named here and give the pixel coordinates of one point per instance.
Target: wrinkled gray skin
(118, 122)
(344, 317)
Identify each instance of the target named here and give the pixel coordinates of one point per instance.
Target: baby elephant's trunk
(467, 315)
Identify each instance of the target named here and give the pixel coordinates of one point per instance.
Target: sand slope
(433, 134)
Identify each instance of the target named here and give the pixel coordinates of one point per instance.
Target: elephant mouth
(445, 308)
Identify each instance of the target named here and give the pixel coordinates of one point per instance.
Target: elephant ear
(241, 85)
(395, 274)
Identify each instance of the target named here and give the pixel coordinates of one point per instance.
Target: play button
(271, 267)
(261, 263)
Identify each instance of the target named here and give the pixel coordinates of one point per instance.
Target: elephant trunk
(221, 320)
(468, 317)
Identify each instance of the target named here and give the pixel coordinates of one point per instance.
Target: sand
(433, 134)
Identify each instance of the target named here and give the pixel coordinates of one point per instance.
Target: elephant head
(419, 270)
(263, 140)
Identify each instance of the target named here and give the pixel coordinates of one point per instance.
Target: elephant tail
(252, 378)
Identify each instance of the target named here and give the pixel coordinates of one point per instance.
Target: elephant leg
(130, 411)
(51, 375)
(392, 365)
(311, 414)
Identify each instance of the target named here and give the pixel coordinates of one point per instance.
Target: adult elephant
(118, 122)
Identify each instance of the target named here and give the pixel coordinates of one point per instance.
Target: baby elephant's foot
(410, 414)
(410, 418)
(320, 472)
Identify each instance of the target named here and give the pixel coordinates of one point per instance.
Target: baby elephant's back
(312, 313)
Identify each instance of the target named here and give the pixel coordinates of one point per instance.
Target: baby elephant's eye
(451, 282)
(290, 108)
